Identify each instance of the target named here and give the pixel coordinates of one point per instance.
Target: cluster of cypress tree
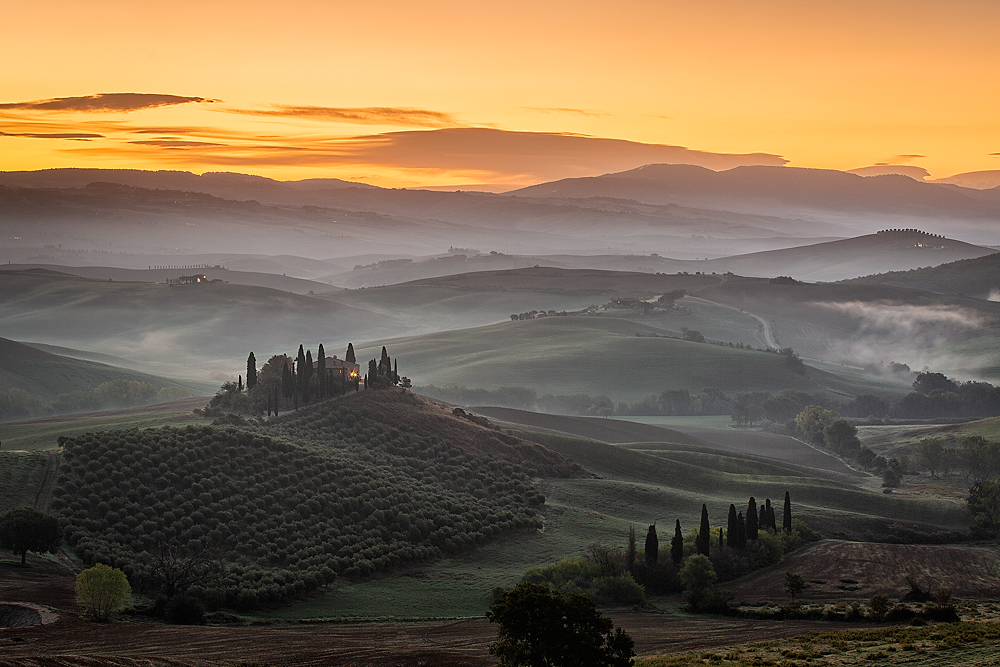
(740, 530)
(382, 373)
(285, 382)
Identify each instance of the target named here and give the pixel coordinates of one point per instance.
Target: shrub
(102, 590)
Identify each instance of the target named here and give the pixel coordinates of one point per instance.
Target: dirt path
(48, 483)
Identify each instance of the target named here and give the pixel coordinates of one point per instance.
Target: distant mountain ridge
(786, 186)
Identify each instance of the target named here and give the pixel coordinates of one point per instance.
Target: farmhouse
(349, 370)
(191, 280)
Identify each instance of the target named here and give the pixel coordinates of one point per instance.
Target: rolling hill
(220, 273)
(45, 374)
(596, 355)
(185, 331)
(979, 277)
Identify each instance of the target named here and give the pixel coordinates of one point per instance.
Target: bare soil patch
(838, 570)
(129, 642)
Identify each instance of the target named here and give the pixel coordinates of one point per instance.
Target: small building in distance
(191, 280)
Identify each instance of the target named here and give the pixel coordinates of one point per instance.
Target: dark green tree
(652, 546)
(239, 386)
(25, 529)
(321, 385)
(786, 518)
(984, 505)
(287, 387)
(300, 371)
(704, 532)
(395, 371)
(762, 518)
(349, 356)
(770, 516)
(731, 532)
(722, 545)
(307, 370)
(741, 531)
(631, 549)
(538, 627)
(677, 545)
(251, 372)
(752, 519)
(794, 584)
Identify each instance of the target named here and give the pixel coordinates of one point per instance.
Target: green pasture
(44, 434)
(635, 487)
(596, 355)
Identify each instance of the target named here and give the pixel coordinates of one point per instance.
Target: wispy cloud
(176, 143)
(899, 159)
(399, 116)
(104, 102)
(569, 110)
(80, 136)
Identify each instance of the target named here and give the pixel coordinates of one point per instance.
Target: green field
(638, 485)
(45, 374)
(598, 355)
(43, 434)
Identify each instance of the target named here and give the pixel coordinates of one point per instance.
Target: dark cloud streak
(104, 102)
(79, 136)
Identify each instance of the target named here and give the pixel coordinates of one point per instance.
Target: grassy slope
(975, 277)
(658, 484)
(45, 374)
(43, 434)
(595, 355)
(188, 329)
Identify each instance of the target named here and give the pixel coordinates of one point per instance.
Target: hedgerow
(282, 508)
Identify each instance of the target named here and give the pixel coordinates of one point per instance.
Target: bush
(102, 590)
(879, 606)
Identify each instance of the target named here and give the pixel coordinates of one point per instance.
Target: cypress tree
(307, 382)
(321, 372)
(741, 531)
(752, 520)
(786, 519)
(770, 515)
(677, 545)
(276, 400)
(239, 379)
(630, 551)
(349, 356)
(269, 405)
(652, 546)
(395, 371)
(251, 372)
(704, 537)
(299, 370)
(722, 545)
(762, 519)
(286, 381)
(731, 532)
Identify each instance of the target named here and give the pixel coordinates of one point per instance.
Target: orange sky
(822, 84)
